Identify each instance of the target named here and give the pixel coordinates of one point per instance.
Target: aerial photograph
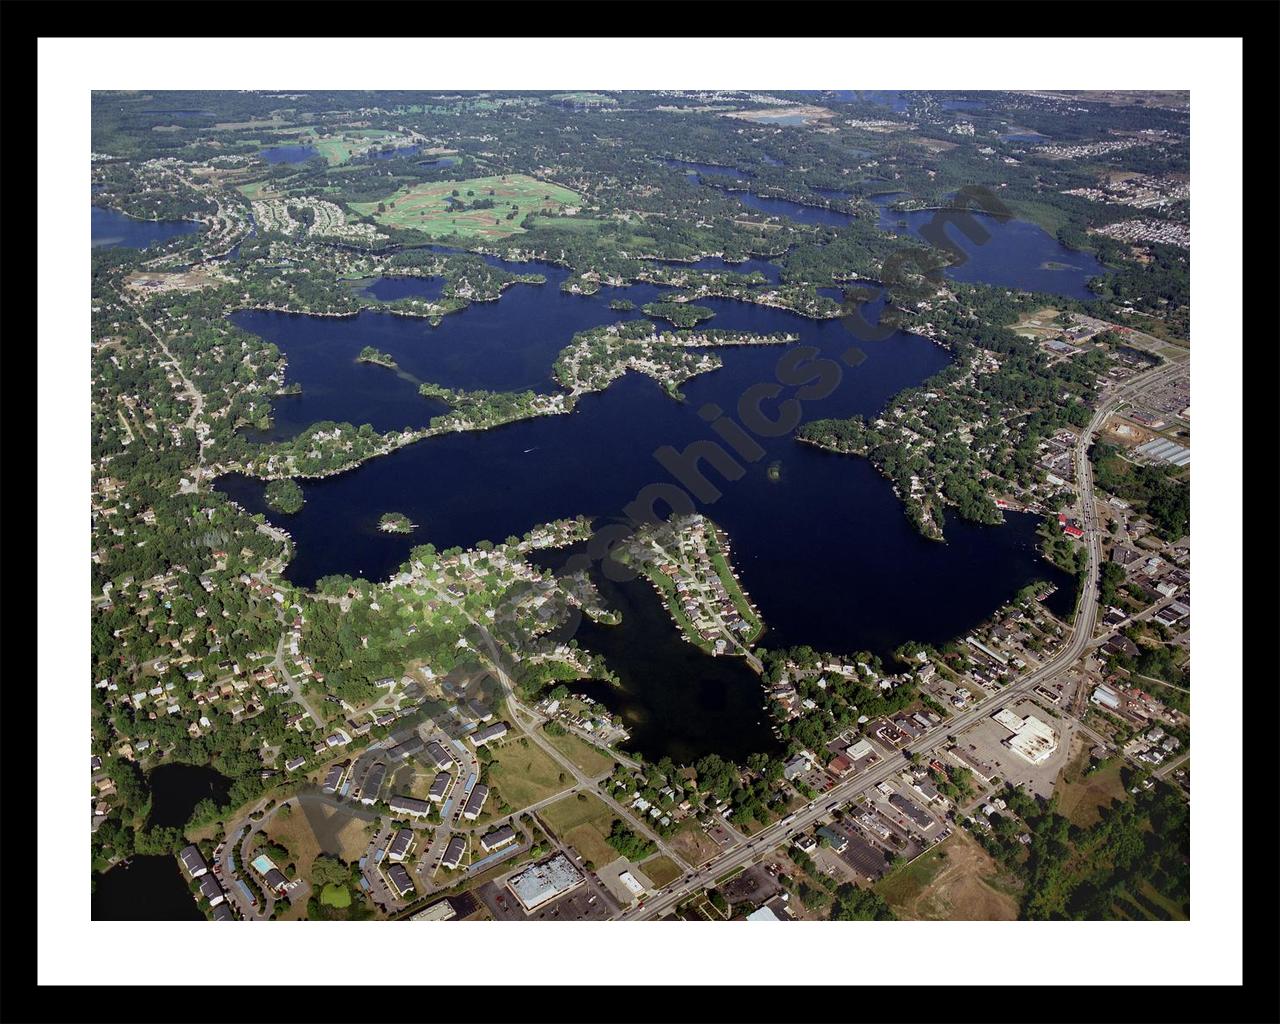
(681, 505)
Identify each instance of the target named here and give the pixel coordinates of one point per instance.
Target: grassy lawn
(292, 831)
(909, 881)
(662, 870)
(571, 812)
(335, 895)
(590, 842)
(576, 224)
(336, 149)
(1082, 799)
(523, 775)
(426, 207)
(583, 824)
(256, 190)
(585, 756)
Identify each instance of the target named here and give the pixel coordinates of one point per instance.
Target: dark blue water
(825, 550)
(675, 700)
(773, 207)
(1016, 255)
(177, 788)
(442, 161)
(144, 889)
(388, 289)
(896, 100)
(111, 227)
(793, 211)
(289, 154)
(510, 345)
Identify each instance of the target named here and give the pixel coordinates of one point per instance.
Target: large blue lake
(822, 544)
(289, 154)
(1016, 253)
(111, 227)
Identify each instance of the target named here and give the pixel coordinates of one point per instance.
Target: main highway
(1082, 632)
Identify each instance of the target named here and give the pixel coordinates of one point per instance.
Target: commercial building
(441, 910)
(837, 840)
(1106, 697)
(633, 886)
(984, 770)
(539, 883)
(913, 811)
(1032, 739)
(798, 765)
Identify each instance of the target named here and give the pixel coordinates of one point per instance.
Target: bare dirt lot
(183, 281)
(693, 844)
(955, 881)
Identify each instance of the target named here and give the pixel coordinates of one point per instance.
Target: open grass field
(579, 225)
(292, 831)
(583, 824)
(327, 828)
(693, 844)
(661, 869)
(335, 895)
(257, 190)
(426, 206)
(1082, 799)
(523, 775)
(1038, 325)
(587, 758)
(955, 881)
(339, 149)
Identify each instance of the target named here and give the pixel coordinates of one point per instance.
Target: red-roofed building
(839, 765)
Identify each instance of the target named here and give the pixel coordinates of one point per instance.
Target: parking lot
(986, 739)
(583, 904)
(868, 860)
(756, 884)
